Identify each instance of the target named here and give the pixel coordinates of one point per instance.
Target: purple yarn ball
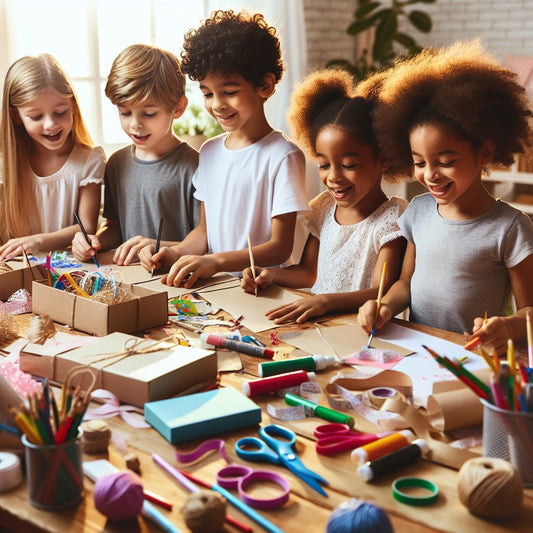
(119, 495)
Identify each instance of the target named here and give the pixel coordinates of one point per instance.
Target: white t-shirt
(243, 189)
(348, 254)
(57, 195)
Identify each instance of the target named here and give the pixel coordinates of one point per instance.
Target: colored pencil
(252, 262)
(529, 340)
(83, 230)
(378, 302)
(157, 242)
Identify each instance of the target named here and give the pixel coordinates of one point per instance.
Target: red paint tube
(276, 383)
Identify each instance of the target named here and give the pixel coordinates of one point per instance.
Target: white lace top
(348, 254)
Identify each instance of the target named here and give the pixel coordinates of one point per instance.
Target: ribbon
(206, 447)
(111, 407)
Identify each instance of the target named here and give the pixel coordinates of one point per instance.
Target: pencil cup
(509, 435)
(55, 476)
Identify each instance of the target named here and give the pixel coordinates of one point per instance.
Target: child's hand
(81, 249)
(264, 279)
(300, 310)
(493, 334)
(13, 247)
(366, 316)
(165, 257)
(128, 251)
(190, 268)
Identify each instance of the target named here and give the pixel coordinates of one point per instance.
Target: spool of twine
(96, 436)
(490, 488)
(358, 516)
(119, 495)
(41, 328)
(204, 511)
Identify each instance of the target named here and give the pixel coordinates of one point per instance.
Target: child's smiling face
(347, 167)
(448, 166)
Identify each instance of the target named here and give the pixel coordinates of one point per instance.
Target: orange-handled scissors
(336, 438)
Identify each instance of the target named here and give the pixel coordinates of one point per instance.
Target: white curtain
(287, 16)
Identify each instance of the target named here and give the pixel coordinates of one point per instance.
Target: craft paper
(201, 415)
(252, 308)
(345, 341)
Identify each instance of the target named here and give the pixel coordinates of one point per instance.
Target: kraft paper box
(134, 378)
(148, 309)
(20, 278)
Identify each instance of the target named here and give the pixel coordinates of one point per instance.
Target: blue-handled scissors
(276, 446)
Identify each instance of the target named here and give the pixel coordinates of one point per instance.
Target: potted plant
(385, 19)
(196, 125)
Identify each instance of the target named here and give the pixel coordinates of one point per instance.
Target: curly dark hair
(461, 88)
(233, 43)
(326, 98)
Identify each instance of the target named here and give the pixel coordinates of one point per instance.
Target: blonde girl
(50, 167)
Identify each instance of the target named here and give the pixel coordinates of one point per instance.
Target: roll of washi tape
(378, 395)
(10, 471)
(418, 483)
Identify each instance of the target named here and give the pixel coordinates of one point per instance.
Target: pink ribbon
(111, 407)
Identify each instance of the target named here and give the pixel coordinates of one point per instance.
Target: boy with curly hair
(151, 179)
(251, 179)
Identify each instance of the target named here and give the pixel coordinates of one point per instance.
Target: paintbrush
(82, 228)
(252, 262)
(157, 242)
(380, 294)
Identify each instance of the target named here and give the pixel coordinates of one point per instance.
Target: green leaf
(421, 21)
(365, 9)
(361, 25)
(405, 40)
(385, 32)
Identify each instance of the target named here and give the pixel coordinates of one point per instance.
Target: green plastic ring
(417, 482)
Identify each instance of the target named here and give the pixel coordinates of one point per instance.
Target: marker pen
(379, 448)
(387, 463)
(311, 363)
(318, 410)
(256, 387)
(209, 340)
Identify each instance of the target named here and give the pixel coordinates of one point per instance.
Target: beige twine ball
(490, 488)
(96, 436)
(41, 328)
(204, 511)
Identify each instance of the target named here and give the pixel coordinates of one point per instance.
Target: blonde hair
(25, 80)
(142, 72)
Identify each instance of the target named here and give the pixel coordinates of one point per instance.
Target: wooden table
(305, 510)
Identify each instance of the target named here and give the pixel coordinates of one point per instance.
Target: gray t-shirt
(138, 193)
(461, 265)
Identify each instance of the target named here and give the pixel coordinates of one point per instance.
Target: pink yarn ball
(119, 495)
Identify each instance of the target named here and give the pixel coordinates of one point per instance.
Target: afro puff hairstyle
(461, 88)
(233, 43)
(326, 98)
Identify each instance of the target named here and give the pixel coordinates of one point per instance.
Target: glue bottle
(273, 384)
(310, 363)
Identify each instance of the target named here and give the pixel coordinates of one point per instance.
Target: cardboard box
(134, 378)
(19, 278)
(148, 309)
(202, 414)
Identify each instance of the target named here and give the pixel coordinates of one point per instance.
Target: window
(86, 35)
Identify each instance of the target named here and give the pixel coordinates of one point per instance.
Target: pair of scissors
(336, 438)
(276, 446)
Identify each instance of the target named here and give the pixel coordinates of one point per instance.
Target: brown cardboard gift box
(135, 378)
(148, 309)
(19, 278)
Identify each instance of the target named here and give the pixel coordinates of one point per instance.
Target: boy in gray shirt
(152, 178)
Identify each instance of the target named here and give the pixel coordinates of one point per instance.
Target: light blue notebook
(202, 414)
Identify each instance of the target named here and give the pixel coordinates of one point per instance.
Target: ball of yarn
(119, 495)
(490, 487)
(358, 516)
(204, 511)
(96, 436)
